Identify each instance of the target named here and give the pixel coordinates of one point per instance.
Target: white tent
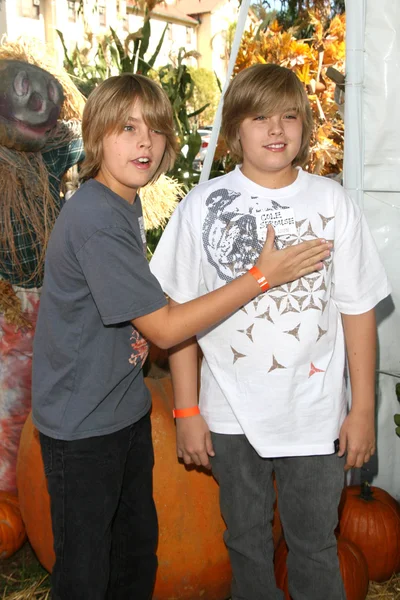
(372, 177)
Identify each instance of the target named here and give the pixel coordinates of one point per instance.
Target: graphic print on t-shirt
(309, 292)
(232, 243)
(140, 347)
(230, 238)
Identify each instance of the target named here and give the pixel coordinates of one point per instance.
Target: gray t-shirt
(87, 361)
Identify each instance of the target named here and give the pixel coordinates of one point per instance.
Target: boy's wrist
(181, 413)
(362, 410)
(254, 283)
(260, 278)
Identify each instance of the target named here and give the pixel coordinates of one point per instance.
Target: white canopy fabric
(240, 25)
(372, 177)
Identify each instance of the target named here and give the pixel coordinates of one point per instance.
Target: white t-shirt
(274, 370)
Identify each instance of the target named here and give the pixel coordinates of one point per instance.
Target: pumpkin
(353, 567)
(12, 530)
(9, 497)
(370, 518)
(193, 560)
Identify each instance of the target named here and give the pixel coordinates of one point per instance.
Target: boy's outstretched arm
(193, 439)
(357, 435)
(172, 324)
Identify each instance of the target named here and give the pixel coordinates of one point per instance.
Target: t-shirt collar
(113, 197)
(260, 191)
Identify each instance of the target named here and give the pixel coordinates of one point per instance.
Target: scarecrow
(40, 111)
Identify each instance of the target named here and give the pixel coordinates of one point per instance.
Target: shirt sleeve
(177, 259)
(118, 276)
(359, 278)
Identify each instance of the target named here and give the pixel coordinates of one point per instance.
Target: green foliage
(109, 56)
(205, 93)
(152, 239)
(179, 86)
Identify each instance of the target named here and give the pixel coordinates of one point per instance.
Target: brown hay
(23, 180)
(36, 53)
(10, 307)
(389, 590)
(159, 200)
(34, 591)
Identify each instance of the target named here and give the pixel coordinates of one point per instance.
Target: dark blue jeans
(103, 515)
(309, 489)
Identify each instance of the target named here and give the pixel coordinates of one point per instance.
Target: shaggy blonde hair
(107, 110)
(267, 90)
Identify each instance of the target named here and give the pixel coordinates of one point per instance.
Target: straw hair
(107, 110)
(264, 90)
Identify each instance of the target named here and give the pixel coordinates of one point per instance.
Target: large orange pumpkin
(353, 568)
(12, 530)
(193, 561)
(370, 518)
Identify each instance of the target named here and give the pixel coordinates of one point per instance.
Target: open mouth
(143, 162)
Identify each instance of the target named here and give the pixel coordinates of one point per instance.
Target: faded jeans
(309, 489)
(103, 515)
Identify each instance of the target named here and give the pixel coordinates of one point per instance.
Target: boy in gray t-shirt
(99, 298)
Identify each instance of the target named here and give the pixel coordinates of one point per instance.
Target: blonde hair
(107, 110)
(268, 90)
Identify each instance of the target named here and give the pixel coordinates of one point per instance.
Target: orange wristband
(259, 277)
(179, 413)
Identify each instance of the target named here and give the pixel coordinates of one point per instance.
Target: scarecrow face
(30, 105)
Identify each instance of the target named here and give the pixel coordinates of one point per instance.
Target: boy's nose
(145, 139)
(275, 125)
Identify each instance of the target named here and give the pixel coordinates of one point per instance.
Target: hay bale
(159, 200)
(388, 590)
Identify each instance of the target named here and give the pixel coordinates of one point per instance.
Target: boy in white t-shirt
(272, 394)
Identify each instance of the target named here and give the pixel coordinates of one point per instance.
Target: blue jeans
(309, 489)
(103, 515)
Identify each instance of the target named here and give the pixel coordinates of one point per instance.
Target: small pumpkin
(370, 518)
(12, 530)
(353, 567)
(9, 497)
